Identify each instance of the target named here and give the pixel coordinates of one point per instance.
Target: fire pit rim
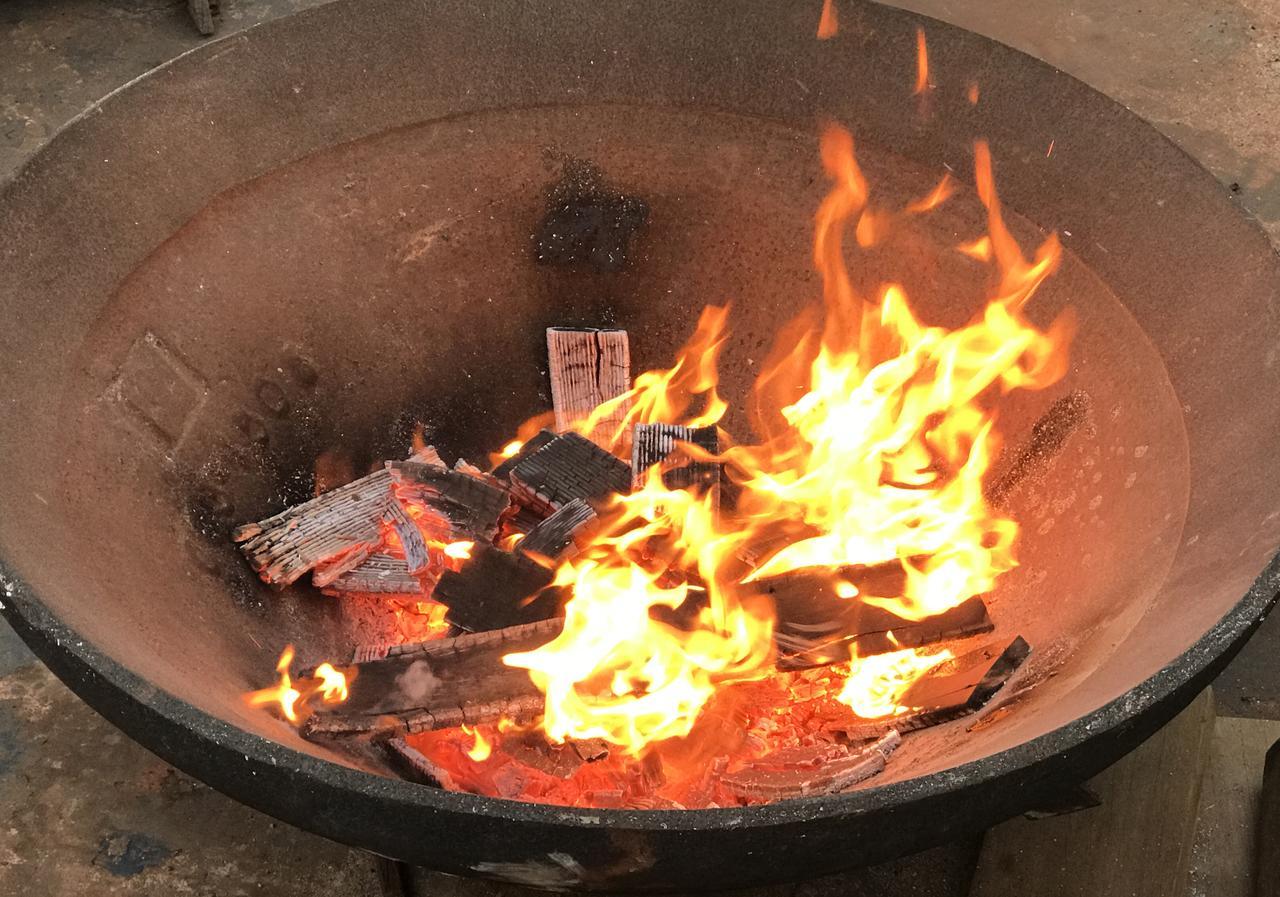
(1170, 689)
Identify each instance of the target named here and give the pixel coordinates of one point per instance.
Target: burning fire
(481, 748)
(828, 24)
(877, 432)
(292, 700)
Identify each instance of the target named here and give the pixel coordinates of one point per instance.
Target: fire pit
(355, 219)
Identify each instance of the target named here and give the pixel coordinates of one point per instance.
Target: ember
(660, 616)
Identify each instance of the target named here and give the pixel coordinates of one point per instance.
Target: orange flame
(973, 93)
(922, 63)
(828, 24)
(877, 431)
(459, 551)
(290, 699)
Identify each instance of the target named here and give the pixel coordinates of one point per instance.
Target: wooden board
(1136, 844)
(1224, 848)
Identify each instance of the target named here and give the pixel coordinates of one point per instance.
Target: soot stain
(588, 225)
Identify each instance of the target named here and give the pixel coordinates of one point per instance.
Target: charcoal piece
(825, 769)
(589, 368)
(415, 766)
(412, 543)
(660, 444)
(591, 750)
(283, 547)
(427, 455)
(569, 467)
(471, 505)
(382, 574)
(956, 689)
(1048, 436)
(537, 441)
(496, 589)
(438, 684)
(815, 626)
(569, 526)
(326, 572)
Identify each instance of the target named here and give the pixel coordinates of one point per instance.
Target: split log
(660, 444)
(438, 685)
(572, 525)
(380, 574)
(570, 466)
(589, 368)
(283, 547)
(326, 572)
(415, 766)
(957, 689)
(1048, 436)
(815, 626)
(800, 772)
(496, 589)
(412, 544)
(471, 504)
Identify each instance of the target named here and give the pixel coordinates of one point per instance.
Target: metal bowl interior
(328, 234)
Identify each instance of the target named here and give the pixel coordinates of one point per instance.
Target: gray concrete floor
(84, 811)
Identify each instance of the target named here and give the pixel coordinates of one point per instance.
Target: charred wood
(799, 772)
(662, 445)
(438, 685)
(415, 766)
(589, 368)
(570, 466)
(568, 527)
(471, 504)
(283, 547)
(960, 688)
(380, 574)
(537, 441)
(816, 626)
(496, 589)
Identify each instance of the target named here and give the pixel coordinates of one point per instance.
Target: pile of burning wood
(484, 547)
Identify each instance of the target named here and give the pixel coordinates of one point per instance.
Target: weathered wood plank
(1136, 844)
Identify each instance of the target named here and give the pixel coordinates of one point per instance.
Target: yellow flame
(291, 699)
(877, 684)
(922, 63)
(459, 551)
(481, 748)
(875, 433)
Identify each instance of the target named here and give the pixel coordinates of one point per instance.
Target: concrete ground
(85, 811)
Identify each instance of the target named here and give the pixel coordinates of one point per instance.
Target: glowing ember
(290, 699)
(459, 551)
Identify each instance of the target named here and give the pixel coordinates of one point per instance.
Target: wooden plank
(1136, 844)
(570, 466)
(588, 368)
(1227, 841)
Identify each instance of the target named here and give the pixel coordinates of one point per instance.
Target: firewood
(283, 547)
(800, 772)
(569, 467)
(660, 444)
(380, 573)
(815, 626)
(496, 589)
(591, 750)
(326, 572)
(471, 504)
(438, 685)
(957, 689)
(537, 441)
(568, 527)
(588, 368)
(412, 544)
(415, 766)
(544, 630)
